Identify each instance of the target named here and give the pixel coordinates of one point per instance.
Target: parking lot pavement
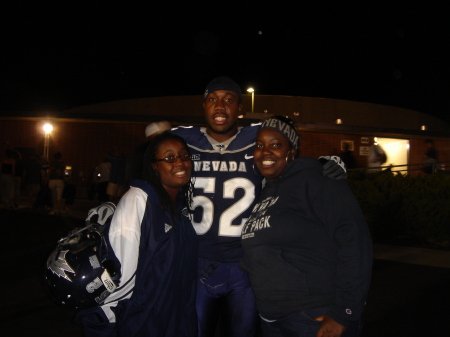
(409, 294)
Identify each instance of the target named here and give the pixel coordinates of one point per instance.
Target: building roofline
(197, 120)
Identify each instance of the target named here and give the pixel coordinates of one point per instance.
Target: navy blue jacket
(158, 259)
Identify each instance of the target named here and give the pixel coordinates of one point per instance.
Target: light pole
(47, 129)
(253, 98)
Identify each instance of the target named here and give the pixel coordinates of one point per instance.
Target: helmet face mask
(78, 273)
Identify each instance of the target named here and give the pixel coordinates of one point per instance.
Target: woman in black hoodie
(307, 246)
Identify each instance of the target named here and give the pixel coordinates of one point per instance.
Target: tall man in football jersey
(225, 186)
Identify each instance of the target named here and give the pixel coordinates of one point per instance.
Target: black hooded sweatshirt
(307, 245)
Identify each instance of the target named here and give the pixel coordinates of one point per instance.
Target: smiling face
(222, 109)
(270, 153)
(173, 175)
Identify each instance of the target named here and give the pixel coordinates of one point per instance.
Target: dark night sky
(393, 52)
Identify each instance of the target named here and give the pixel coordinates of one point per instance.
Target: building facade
(86, 134)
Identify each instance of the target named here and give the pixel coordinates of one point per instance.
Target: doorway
(397, 152)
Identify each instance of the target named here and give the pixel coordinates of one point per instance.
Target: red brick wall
(314, 144)
(84, 144)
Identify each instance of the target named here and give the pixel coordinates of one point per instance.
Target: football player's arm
(333, 167)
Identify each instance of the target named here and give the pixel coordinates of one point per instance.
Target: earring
(289, 157)
(256, 170)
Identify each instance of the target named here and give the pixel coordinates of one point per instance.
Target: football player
(225, 188)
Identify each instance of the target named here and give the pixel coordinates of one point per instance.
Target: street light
(253, 98)
(47, 129)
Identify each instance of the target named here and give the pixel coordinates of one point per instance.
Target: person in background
(348, 157)
(155, 246)
(307, 247)
(102, 174)
(430, 158)
(32, 179)
(56, 182)
(226, 185)
(376, 158)
(44, 196)
(69, 193)
(116, 183)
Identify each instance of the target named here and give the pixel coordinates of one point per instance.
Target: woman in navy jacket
(156, 247)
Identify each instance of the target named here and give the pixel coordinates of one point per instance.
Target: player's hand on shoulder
(333, 167)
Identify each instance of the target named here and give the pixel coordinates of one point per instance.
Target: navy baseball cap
(223, 83)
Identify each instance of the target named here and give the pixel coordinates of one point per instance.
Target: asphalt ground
(409, 294)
